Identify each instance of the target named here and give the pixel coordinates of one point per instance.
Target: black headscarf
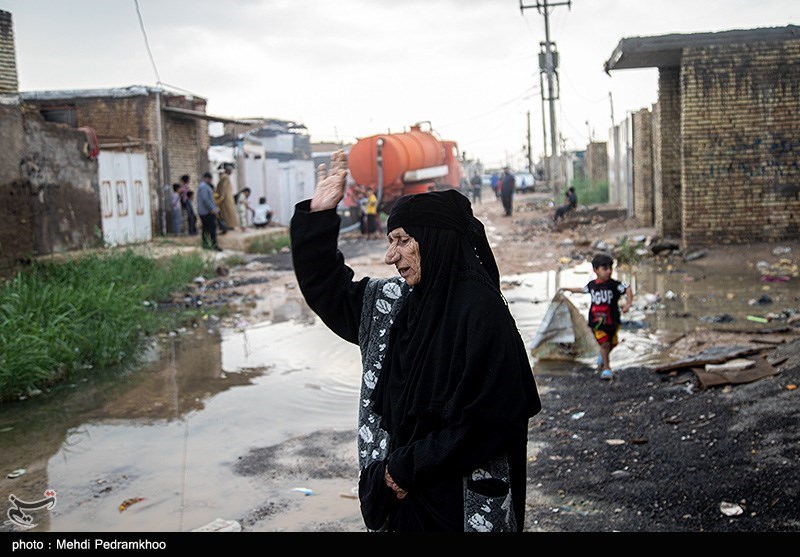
(427, 379)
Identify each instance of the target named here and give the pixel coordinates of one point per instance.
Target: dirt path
(648, 451)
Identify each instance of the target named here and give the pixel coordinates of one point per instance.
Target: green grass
(58, 320)
(269, 244)
(590, 193)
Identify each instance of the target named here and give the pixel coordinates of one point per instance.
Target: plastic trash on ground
(563, 333)
(220, 525)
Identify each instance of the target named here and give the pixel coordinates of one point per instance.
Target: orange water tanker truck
(397, 164)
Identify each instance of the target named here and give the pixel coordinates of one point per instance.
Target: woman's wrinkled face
(403, 253)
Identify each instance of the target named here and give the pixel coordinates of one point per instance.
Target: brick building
(48, 179)
(724, 150)
(174, 139)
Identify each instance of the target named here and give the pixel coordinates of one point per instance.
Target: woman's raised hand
(330, 183)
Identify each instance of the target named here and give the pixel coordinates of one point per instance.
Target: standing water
(157, 449)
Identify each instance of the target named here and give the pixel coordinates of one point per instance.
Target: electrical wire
(146, 42)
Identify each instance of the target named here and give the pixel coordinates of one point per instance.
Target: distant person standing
(208, 211)
(227, 205)
(476, 188)
(191, 217)
(372, 215)
(496, 185)
(507, 186)
(176, 210)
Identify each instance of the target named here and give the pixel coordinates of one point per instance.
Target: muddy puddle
(160, 449)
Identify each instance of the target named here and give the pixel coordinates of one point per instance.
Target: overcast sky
(352, 68)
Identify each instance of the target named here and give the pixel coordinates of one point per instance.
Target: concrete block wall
(643, 194)
(597, 162)
(63, 190)
(655, 125)
(741, 145)
(667, 155)
(16, 222)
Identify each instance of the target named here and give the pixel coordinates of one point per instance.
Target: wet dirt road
(252, 418)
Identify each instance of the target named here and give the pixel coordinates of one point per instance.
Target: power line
(146, 42)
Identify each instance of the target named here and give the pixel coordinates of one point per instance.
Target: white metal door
(124, 197)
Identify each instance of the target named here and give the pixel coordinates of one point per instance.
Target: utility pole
(548, 62)
(530, 154)
(611, 102)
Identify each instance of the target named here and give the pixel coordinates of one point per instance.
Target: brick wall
(667, 166)
(186, 141)
(643, 167)
(741, 148)
(126, 123)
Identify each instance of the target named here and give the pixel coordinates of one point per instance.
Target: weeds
(590, 193)
(626, 251)
(269, 244)
(59, 319)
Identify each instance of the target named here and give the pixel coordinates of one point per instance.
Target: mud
(250, 416)
(644, 452)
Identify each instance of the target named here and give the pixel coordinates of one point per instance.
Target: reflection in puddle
(173, 431)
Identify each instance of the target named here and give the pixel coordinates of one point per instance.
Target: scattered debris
(664, 245)
(737, 364)
(128, 502)
(563, 332)
(721, 318)
(614, 442)
(730, 509)
(16, 473)
(757, 319)
(220, 525)
(713, 355)
(303, 490)
(692, 255)
(735, 374)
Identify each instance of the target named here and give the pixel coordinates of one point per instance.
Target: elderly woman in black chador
(447, 388)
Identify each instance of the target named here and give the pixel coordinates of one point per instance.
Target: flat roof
(664, 51)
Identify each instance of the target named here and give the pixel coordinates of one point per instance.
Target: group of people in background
(218, 208)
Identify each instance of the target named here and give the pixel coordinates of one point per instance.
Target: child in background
(177, 209)
(604, 311)
(243, 207)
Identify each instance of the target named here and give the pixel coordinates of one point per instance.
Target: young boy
(604, 311)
